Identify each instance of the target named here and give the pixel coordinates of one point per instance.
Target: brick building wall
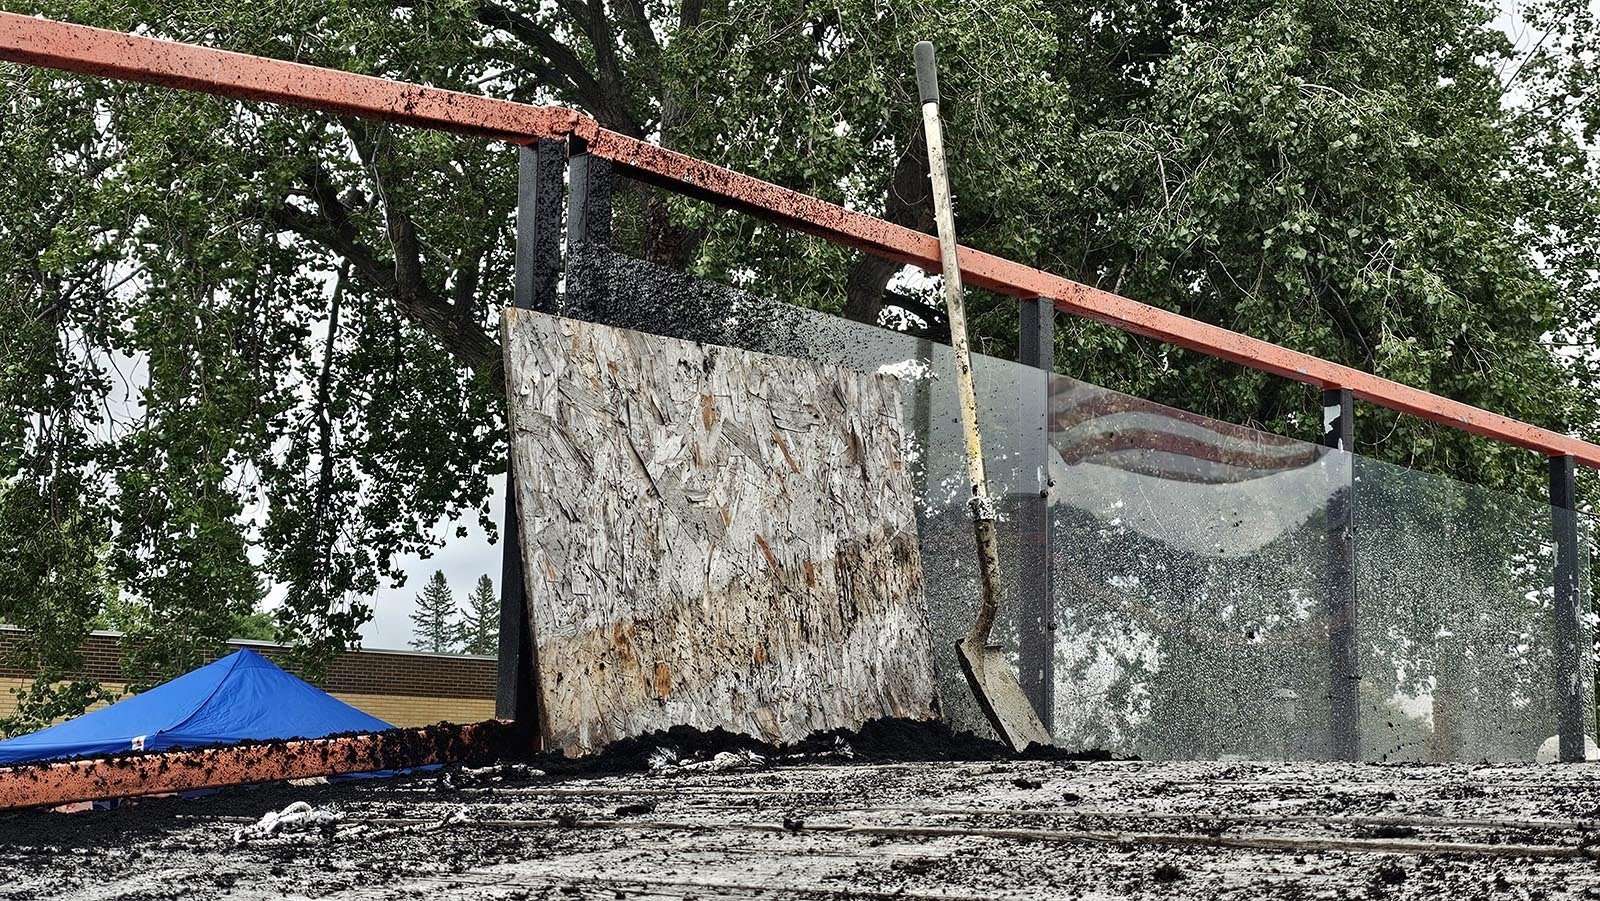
(406, 688)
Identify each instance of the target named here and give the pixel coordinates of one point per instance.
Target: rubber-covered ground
(820, 824)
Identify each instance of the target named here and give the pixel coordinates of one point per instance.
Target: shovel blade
(994, 683)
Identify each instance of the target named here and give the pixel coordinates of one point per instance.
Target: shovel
(993, 681)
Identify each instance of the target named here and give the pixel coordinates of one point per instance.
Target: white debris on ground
(454, 818)
(469, 777)
(841, 750)
(297, 817)
(741, 831)
(667, 760)
(501, 771)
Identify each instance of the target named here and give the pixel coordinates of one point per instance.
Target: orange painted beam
(164, 772)
(111, 54)
(809, 214)
(98, 52)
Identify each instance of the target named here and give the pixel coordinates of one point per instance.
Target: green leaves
(1347, 181)
(53, 582)
(233, 425)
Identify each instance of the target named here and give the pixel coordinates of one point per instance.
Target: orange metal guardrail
(48, 784)
(94, 51)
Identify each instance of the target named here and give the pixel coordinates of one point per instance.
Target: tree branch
(332, 227)
(909, 203)
(601, 96)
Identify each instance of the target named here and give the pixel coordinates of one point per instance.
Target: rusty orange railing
(48, 783)
(94, 51)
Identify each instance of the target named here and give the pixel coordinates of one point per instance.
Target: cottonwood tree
(1354, 180)
(434, 624)
(211, 308)
(1400, 189)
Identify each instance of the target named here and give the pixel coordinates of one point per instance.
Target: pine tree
(434, 624)
(480, 626)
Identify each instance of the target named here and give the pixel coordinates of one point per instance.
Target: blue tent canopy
(240, 697)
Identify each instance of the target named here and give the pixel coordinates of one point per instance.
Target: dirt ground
(827, 826)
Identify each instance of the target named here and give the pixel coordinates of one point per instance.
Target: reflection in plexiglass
(1191, 581)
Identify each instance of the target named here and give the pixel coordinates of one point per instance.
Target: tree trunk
(910, 203)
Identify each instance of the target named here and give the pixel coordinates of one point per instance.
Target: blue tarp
(242, 696)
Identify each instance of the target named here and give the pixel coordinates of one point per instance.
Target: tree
(260, 625)
(57, 564)
(434, 621)
(311, 298)
(480, 627)
(1284, 178)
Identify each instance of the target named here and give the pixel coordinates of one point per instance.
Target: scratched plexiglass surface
(1195, 586)
(1191, 577)
(1188, 558)
(1458, 625)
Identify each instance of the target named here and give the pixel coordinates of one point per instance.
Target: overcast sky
(462, 560)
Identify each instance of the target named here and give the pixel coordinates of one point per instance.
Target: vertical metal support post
(540, 187)
(1570, 694)
(589, 238)
(1035, 594)
(1344, 664)
(590, 217)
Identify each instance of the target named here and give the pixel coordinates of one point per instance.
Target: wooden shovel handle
(944, 217)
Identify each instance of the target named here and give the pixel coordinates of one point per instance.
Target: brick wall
(406, 688)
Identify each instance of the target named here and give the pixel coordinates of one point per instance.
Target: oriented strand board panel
(711, 537)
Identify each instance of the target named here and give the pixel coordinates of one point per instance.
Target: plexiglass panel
(1199, 571)
(1191, 581)
(1458, 626)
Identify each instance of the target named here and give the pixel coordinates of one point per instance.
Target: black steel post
(1035, 594)
(1570, 692)
(1344, 664)
(591, 179)
(540, 187)
(589, 237)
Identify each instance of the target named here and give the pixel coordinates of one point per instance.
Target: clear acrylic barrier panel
(1191, 561)
(1457, 623)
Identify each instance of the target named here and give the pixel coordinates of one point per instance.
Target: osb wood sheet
(711, 537)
